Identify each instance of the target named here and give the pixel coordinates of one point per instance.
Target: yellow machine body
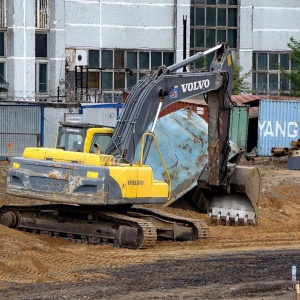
(98, 178)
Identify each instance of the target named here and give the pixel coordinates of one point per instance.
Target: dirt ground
(235, 263)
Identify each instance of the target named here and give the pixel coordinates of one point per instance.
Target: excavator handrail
(161, 158)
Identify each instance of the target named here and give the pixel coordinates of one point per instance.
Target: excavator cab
(83, 137)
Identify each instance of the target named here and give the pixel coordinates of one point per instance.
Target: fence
(13, 144)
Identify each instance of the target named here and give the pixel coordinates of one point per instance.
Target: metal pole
(184, 40)
(58, 94)
(81, 83)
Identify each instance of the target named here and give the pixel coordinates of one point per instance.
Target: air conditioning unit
(81, 58)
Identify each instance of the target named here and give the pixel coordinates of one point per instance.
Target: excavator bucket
(186, 134)
(241, 205)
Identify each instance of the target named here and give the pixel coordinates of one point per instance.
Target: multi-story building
(93, 50)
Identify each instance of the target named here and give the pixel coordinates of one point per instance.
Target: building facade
(94, 50)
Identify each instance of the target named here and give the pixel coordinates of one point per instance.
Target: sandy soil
(235, 263)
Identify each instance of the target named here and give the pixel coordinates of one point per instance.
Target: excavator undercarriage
(137, 227)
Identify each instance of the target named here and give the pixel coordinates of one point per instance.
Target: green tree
(294, 74)
(239, 85)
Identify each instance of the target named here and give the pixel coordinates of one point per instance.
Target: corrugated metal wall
(278, 124)
(25, 125)
(239, 119)
(103, 114)
(199, 107)
(20, 126)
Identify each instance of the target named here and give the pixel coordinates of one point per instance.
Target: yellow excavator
(101, 197)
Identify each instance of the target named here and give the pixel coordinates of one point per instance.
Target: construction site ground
(235, 263)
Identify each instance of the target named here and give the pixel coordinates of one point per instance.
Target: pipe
(149, 138)
(192, 59)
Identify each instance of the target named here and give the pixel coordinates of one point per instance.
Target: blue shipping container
(278, 124)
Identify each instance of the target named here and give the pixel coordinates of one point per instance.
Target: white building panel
(276, 40)
(132, 2)
(246, 29)
(277, 18)
(134, 38)
(271, 3)
(89, 36)
(83, 13)
(152, 16)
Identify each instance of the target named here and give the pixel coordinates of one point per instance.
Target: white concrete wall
(183, 9)
(267, 26)
(56, 49)
(21, 48)
(273, 27)
(124, 24)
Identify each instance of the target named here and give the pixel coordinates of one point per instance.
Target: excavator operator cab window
(77, 146)
(70, 141)
(102, 140)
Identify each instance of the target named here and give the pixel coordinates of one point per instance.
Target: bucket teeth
(229, 219)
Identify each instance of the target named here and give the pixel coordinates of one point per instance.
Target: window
(41, 45)
(144, 60)
(94, 59)
(93, 80)
(213, 21)
(132, 60)
(267, 77)
(2, 74)
(119, 59)
(107, 59)
(3, 13)
(119, 81)
(107, 83)
(121, 69)
(2, 43)
(262, 61)
(42, 14)
(42, 78)
(71, 141)
(131, 79)
(168, 58)
(102, 140)
(156, 59)
(111, 72)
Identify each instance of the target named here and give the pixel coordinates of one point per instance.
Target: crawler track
(140, 227)
(81, 225)
(182, 228)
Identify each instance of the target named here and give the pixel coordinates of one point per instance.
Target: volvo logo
(196, 85)
(73, 130)
(135, 182)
